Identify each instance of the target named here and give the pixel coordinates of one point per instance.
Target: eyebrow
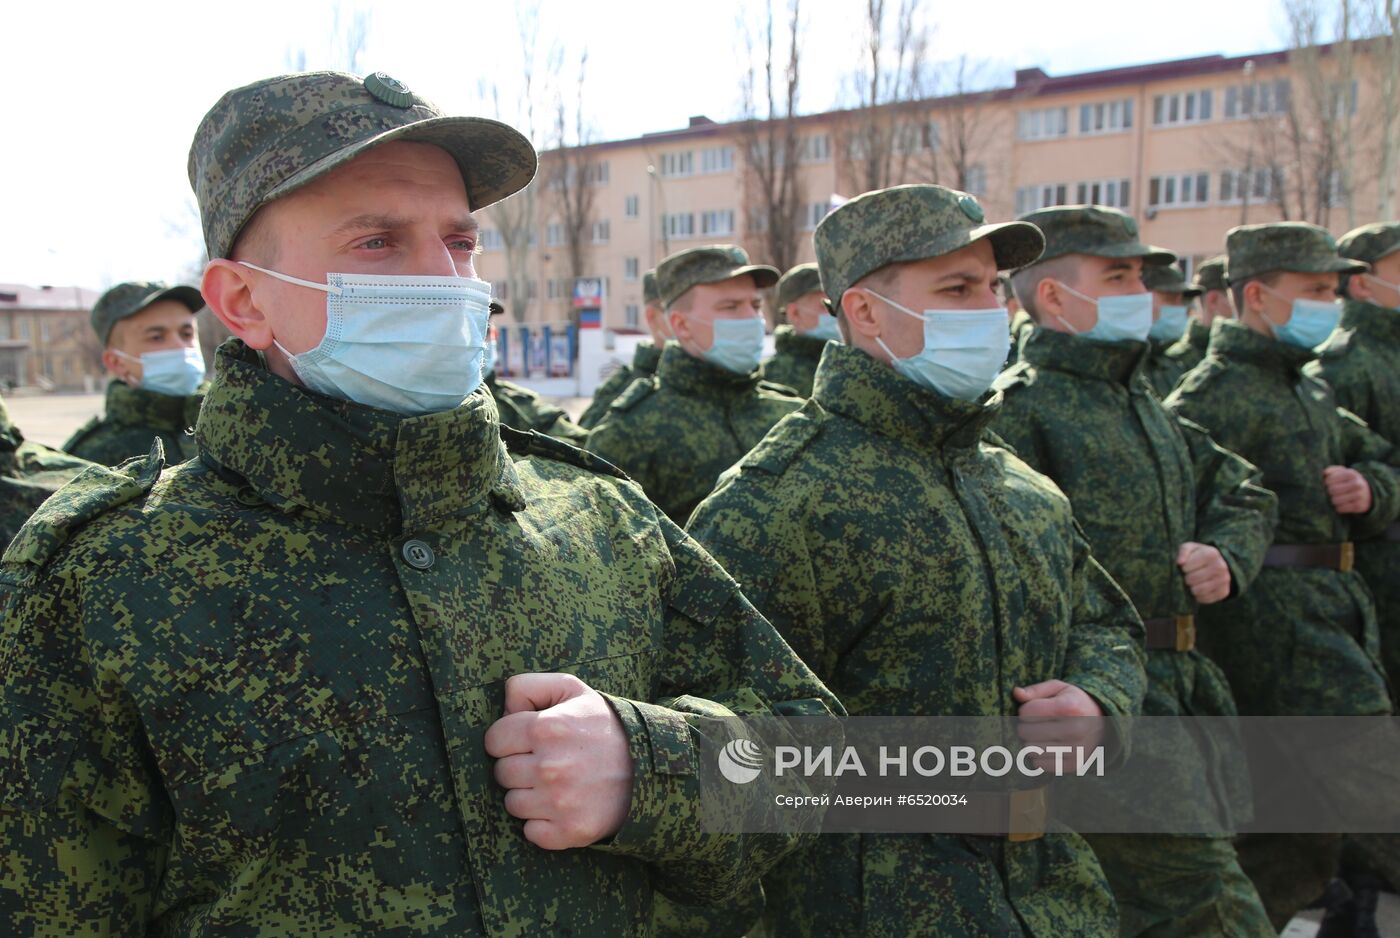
(959, 276)
(372, 221)
(1118, 265)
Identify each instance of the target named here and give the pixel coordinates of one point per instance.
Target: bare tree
(572, 174)
(345, 45)
(1380, 20)
(771, 145)
(961, 148)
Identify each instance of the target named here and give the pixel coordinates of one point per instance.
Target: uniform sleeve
(724, 659)
(1105, 657)
(84, 823)
(1378, 460)
(1234, 512)
(607, 391)
(1350, 384)
(1015, 424)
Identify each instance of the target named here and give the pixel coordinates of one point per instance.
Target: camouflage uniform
(1142, 483)
(1190, 349)
(247, 695)
(677, 433)
(644, 361)
(29, 473)
(1303, 639)
(922, 569)
(524, 410)
(133, 416)
(795, 356)
(1164, 370)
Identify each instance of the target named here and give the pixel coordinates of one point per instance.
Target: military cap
(496, 308)
(711, 264)
(1210, 274)
(264, 140)
(911, 223)
(1094, 230)
(1296, 246)
(1371, 242)
(1167, 278)
(797, 283)
(650, 295)
(127, 299)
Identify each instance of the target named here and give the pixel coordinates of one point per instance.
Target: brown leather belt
(1340, 557)
(1019, 816)
(1177, 633)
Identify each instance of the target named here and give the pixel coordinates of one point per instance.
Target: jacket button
(419, 555)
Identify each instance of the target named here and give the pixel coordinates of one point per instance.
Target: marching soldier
(798, 345)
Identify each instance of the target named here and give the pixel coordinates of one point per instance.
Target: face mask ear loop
(287, 278)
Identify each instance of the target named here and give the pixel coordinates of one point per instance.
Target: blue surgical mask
(1311, 322)
(1170, 324)
(737, 346)
(964, 350)
(491, 356)
(411, 345)
(825, 329)
(176, 371)
(1121, 318)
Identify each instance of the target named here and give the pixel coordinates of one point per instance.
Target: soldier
(1303, 639)
(1172, 300)
(1176, 520)
(1214, 303)
(708, 405)
(924, 569)
(644, 359)
(520, 408)
(29, 473)
(373, 662)
(798, 345)
(151, 349)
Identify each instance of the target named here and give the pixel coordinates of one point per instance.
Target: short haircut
(1268, 278)
(255, 242)
(682, 303)
(1024, 282)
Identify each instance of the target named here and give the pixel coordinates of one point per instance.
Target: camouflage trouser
(1189, 886)
(1289, 870)
(1379, 563)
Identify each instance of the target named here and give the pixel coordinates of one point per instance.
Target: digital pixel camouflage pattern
(677, 433)
(1186, 352)
(1142, 482)
(247, 695)
(29, 473)
(1095, 230)
(644, 361)
(794, 360)
(709, 263)
(1287, 245)
(522, 409)
(132, 418)
(796, 283)
(127, 299)
(922, 569)
(1163, 369)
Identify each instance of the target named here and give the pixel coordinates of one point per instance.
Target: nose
(431, 258)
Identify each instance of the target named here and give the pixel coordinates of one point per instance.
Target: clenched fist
(1205, 570)
(1348, 489)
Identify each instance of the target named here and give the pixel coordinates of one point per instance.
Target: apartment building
(1189, 147)
(46, 338)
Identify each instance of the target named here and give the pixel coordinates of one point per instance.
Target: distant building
(46, 338)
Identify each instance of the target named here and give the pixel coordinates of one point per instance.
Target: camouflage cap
(650, 295)
(127, 299)
(263, 140)
(1371, 242)
(911, 223)
(1167, 278)
(1210, 274)
(797, 283)
(1295, 246)
(1094, 230)
(711, 264)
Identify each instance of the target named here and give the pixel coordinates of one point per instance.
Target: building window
(976, 179)
(596, 174)
(816, 148)
(631, 268)
(717, 160)
(24, 329)
(1033, 198)
(44, 334)
(1111, 192)
(1259, 99)
(719, 222)
(554, 235)
(601, 232)
(679, 225)
(916, 138)
(490, 239)
(1185, 107)
(812, 214)
(1236, 184)
(632, 206)
(1186, 189)
(1105, 117)
(501, 289)
(681, 163)
(632, 316)
(1042, 124)
(758, 220)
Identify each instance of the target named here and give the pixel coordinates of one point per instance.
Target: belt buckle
(1029, 809)
(1185, 632)
(1348, 557)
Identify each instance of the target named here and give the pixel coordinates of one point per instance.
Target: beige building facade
(1190, 148)
(46, 338)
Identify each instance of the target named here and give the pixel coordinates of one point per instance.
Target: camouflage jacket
(923, 569)
(1188, 350)
(1161, 370)
(1301, 640)
(676, 434)
(644, 362)
(29, 473)
(522, 409)
(794, 360)
(248, 694)
(132, 419)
